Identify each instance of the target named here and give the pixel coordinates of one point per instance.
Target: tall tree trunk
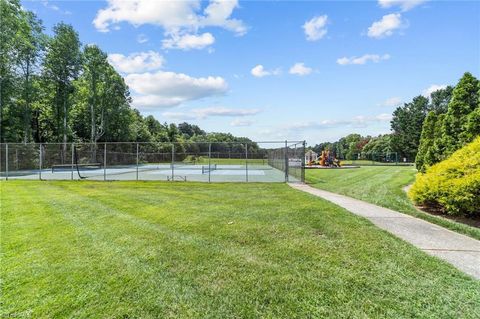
(65, 96)
(26, 117)
(93, 134)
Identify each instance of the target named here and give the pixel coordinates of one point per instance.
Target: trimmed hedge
(453, 184)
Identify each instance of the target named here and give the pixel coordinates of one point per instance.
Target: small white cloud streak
(188, 41)
(204, 113)
(386, 26)
(142, 38)
(241, 122)
(405, 5)
(358, 121)
(136, 62)
(393, 101)
(259, 71)
(300, 69)
(315, 28)
(362, 59)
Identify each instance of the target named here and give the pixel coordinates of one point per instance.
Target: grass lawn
(232, 161)
(193, 250)
(383, 186)
(373, 163)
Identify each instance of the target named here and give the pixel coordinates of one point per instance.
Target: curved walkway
(459, 250)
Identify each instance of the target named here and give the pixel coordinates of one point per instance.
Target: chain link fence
(189, 161)
(376, 159)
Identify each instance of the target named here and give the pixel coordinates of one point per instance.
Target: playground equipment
(326, 159)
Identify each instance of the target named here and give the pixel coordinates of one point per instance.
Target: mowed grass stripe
(383, 186)
(190, 250)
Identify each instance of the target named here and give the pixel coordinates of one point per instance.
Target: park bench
(67, 166)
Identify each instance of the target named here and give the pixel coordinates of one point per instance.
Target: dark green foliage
(348, 147)
(381, 144)
(439, 100)
(62, 65)
(406, 125)
(20, 44)
(427, 140)
(446, 130)
(465, 99)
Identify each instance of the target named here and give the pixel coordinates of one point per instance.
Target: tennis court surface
(202, 162)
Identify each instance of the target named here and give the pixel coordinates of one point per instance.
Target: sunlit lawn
(193, 250)
(380, 185)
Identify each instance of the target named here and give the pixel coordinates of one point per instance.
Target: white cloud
(241, 122)
(259, 71)
(136, 62)
(384, 117)
(54, 7)
(363, 59)
(393, 101)
(357, 121)
(223, 111)
(218, 13)
(47, 4)
(179, 116)
(432, 88)
(188, 41)
(204, 113)
(405, 5)
(315, 28)
(386, 26)
(166, 89)
(300, 69)
(142, 38)
(173, 16)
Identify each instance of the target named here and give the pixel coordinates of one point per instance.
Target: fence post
(6, 161)
(209, 156)
(105, 161)
(73, 159)
(137, 161)
(246, 162)
(40, 162)
(286, 162)
(303, 161)
(173, 161)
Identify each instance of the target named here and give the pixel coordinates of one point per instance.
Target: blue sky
(314, 70)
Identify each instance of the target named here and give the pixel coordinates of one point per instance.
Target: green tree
(10, 20)
(376, 146)
(62, 66)
(30, 43)
(427, 141)
(440, 99)
(94, 69)
(406, 127)
(457, 131)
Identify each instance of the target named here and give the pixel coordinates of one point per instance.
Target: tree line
(54, 89)
(425, 130)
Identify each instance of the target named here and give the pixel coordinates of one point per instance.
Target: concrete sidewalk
(459, 250)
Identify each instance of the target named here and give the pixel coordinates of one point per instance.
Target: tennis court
(202, 162)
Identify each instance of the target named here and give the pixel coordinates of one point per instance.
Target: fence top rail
(290, 143)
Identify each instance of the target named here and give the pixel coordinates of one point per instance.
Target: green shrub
(453, 184)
